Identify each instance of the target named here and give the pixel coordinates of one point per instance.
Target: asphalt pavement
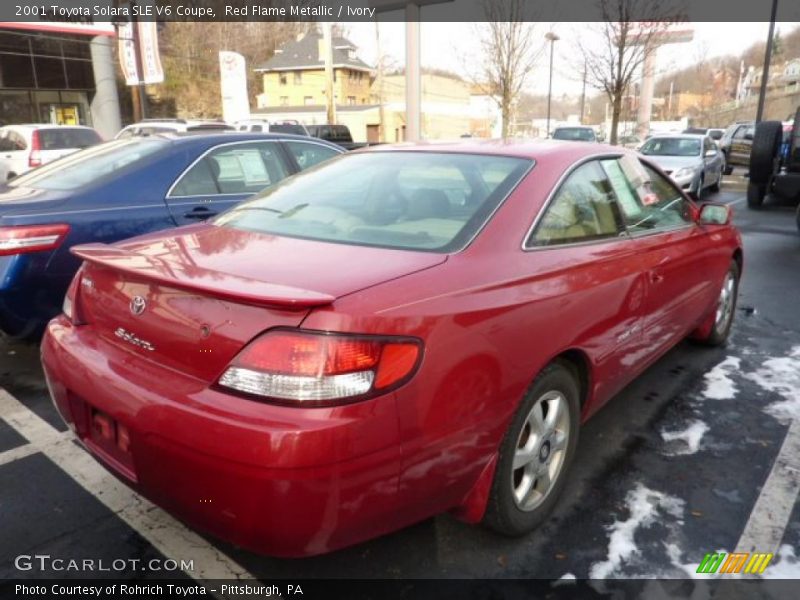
(698, 455)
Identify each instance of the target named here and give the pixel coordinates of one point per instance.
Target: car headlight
(683, 173)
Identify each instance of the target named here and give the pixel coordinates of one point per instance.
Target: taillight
(31, 238)
(313, 368)
(72, 303)
(35, 157)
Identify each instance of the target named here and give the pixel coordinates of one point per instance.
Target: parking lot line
(165, 533)
(10, 456)
(771, 513)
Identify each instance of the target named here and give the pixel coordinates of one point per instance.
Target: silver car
(693, 161)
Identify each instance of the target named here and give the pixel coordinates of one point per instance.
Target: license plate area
(105, 436)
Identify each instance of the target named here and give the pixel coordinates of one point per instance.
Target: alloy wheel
(727, 297)
(540, 450)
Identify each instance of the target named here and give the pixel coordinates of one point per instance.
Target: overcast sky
(451, 46)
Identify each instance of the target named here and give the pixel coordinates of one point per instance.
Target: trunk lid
(192, 301)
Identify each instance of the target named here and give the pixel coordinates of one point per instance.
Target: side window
(582, 210)
(17, 142)
(307, 155)
(236, 169)
(647, 200)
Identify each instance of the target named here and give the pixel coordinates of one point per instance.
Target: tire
(727, 169)
(755, 195)
(698, 193)
(715, 186)
(510, 510)
(725, 308)
(10, 176)
(797, 218)
(766, 150)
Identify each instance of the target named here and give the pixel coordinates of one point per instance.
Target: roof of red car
(527, 148)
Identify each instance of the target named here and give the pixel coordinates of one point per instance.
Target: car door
(308, 154)
(5, 158)
(16, 155)
(674, 252)
(600, 283)
(224, 176)
(740, 145)
(712, 158)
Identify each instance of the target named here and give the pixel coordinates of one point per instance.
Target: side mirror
(715, 214)
(748, 136)
(711, 153)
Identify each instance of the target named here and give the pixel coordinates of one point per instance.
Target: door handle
(199, 213)
(656, 277)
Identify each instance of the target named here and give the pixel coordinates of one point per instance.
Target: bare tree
(509, 50)
(625, 43)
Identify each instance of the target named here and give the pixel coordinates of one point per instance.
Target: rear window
(405, 200)
(287, 128)
(62, 138)
(76, 170)
(574, 134)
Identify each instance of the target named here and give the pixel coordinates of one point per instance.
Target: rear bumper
(28, 296)
(278, 480)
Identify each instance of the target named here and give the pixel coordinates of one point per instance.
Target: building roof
(314, 108)
(304, 54)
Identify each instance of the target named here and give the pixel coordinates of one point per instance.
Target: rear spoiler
(197, 279)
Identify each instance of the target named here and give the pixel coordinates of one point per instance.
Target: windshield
(76, 170)
(671, 146)
(575, 134)
(407, 200)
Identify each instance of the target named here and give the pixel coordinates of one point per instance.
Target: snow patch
(719, 385)
(645, 507)
(690, 438)
(782, 376)
(785, 565)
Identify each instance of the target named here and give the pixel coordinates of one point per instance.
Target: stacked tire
(765, 160)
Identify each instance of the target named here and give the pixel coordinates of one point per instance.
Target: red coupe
(390, 335)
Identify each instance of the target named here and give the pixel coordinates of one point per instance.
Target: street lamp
(552, 38)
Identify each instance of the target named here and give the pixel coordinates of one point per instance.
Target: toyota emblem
(138, 304)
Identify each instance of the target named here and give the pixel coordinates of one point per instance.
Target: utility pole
(139, 96)
(381, 116)
(413, 75)
(552, 38)
(762, 95)
(328, 50)
(583, 93)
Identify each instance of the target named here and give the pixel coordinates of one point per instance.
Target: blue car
(120, 189)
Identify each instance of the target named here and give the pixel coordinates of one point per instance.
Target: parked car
(259, 125)
(154, 126)
(336, 134)
(630, 141)
(735, 145)
(120, 189)
(574, 134)
(775, 162)
(693, 161)
(325, 363)
(25, 147)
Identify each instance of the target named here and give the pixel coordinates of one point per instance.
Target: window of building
(308, 100)
(282, 78)
(284, 100)
(298, 78)
(351, 100)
